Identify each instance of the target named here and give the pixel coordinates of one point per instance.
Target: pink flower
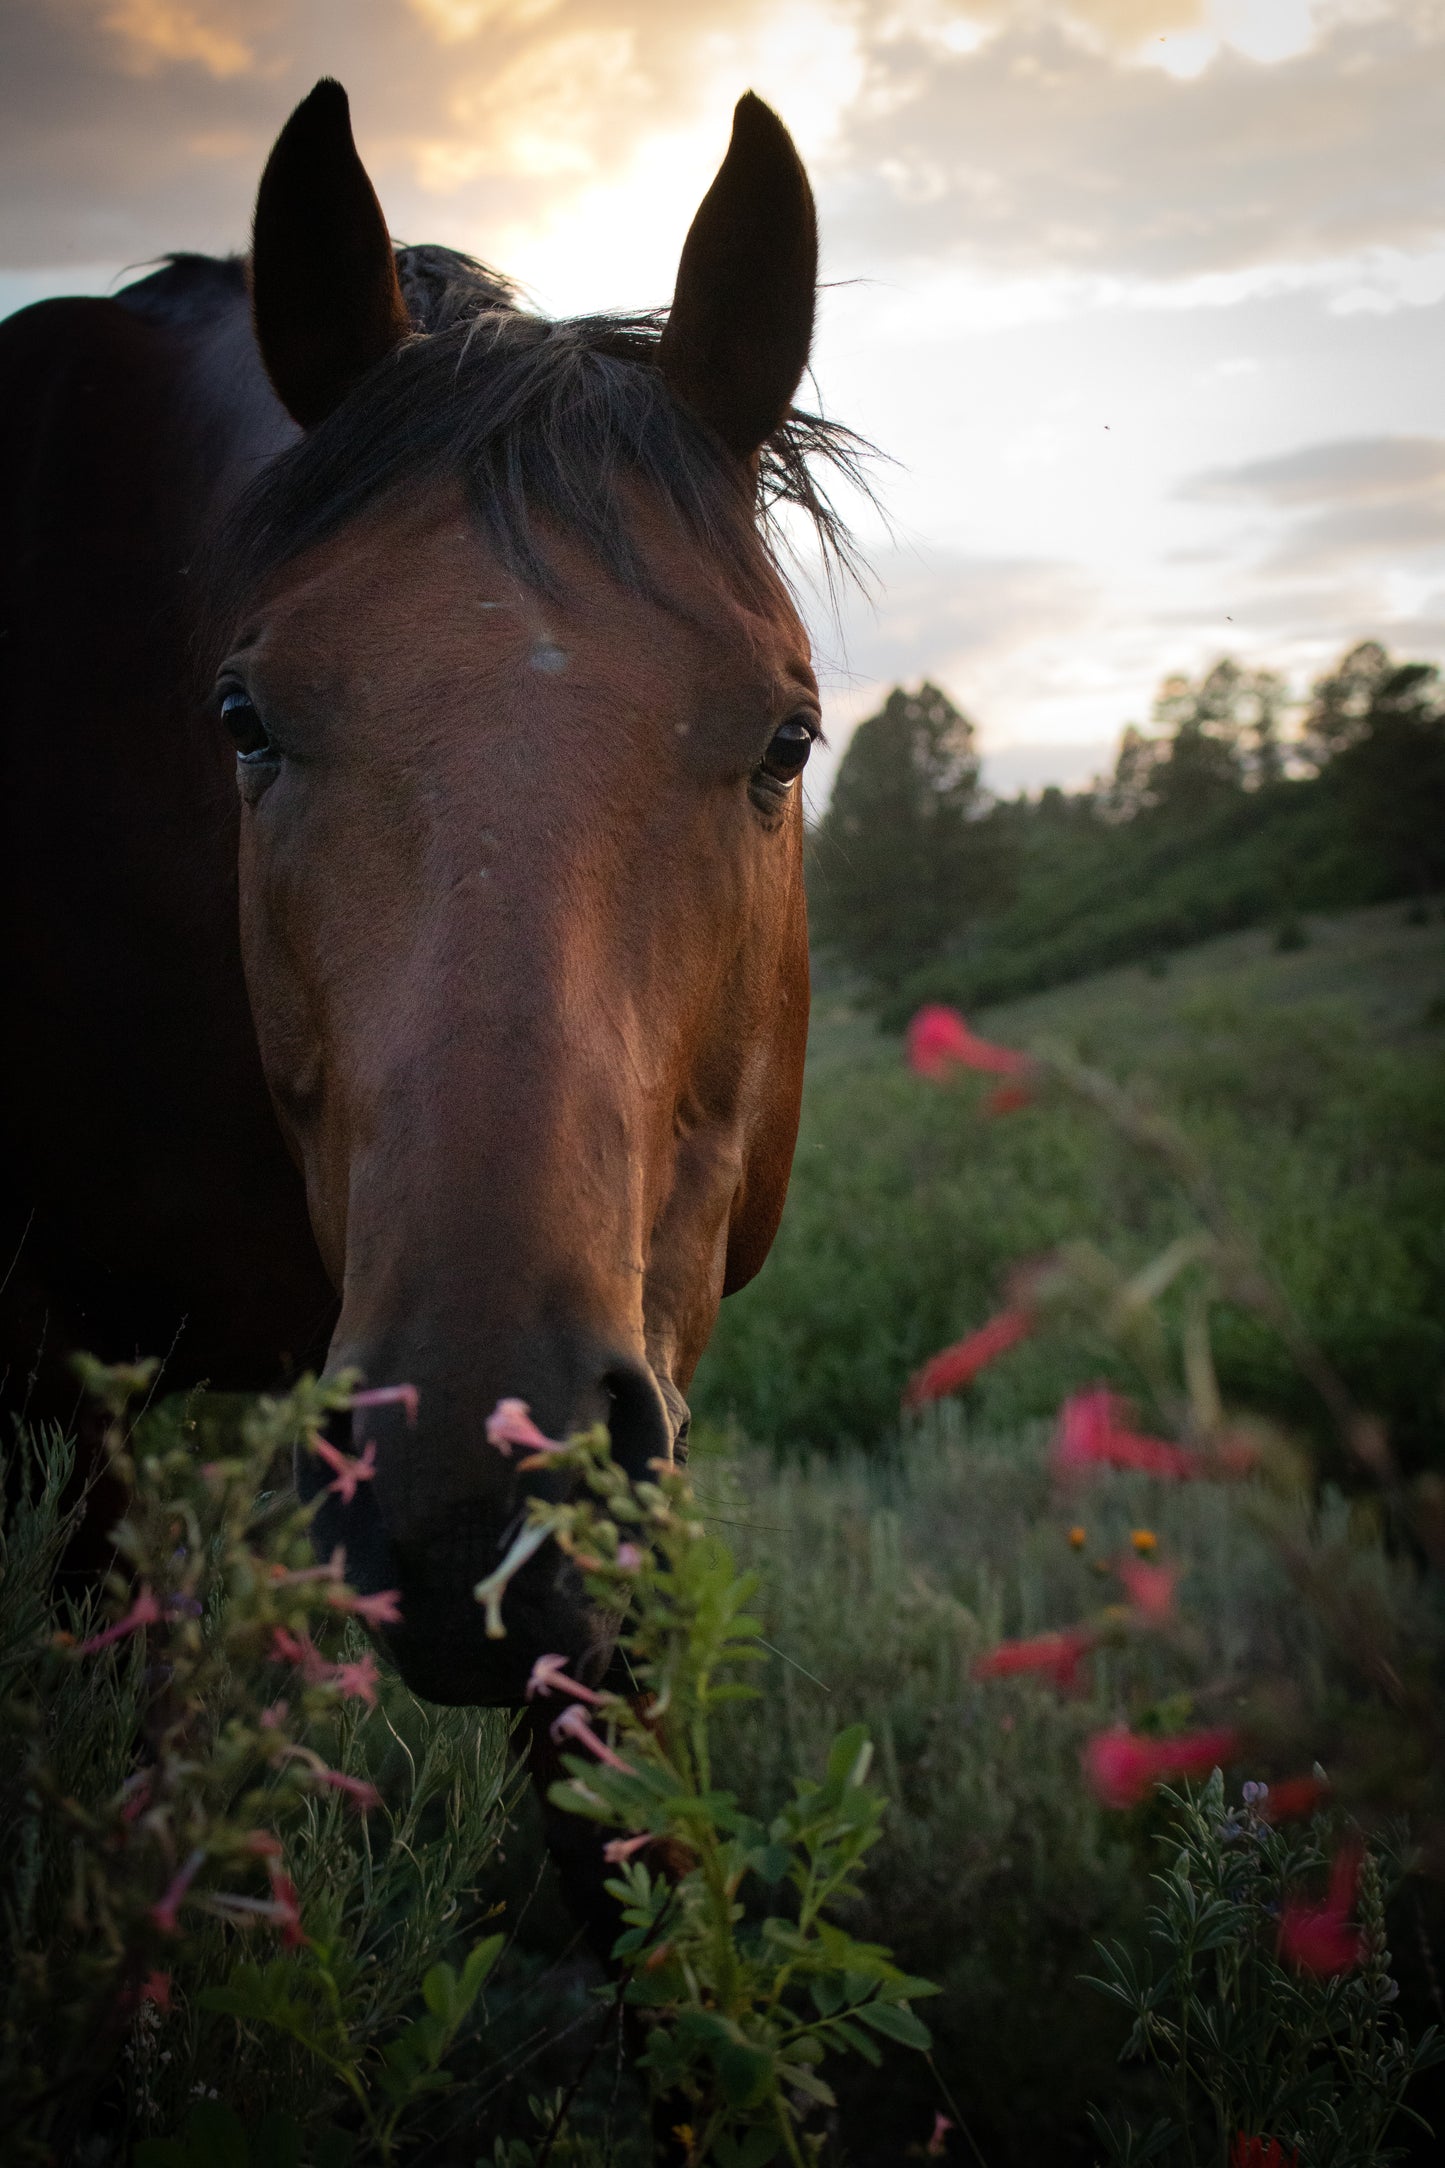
(261, 1844)
(145, 1611)
(286, 1907)
(939, 1040)
(960, 1364)
(1319, 1938)
(289, 1648)
(1093, 1433)
(1008, 1098)
(164, 1910)
(361, 1794)
(272, 1718)
(629, 1557)
(1122, 1767)
(382, 1609)
(360, 1679)
(573, 1724)
(942, 2125)
(385, 1396)
(349, 1470)
(622, 1848)
(1150, 1589)
(510, 1423)
(549, 1676)
(1056, 1657)
(1292, 1798)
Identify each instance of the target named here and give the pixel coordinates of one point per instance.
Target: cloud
(1354, 501)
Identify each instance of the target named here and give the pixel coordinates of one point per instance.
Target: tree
(904, 857)
(1209, 741)
(1376, 729)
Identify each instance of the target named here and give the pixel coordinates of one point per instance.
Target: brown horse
(435, 1004)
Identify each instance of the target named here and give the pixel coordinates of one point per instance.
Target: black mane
(540, 420)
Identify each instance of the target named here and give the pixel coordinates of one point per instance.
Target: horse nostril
(637, 1418)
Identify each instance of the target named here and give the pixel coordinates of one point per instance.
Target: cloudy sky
(1145, 299)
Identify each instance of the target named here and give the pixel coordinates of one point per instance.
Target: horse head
(521, 703)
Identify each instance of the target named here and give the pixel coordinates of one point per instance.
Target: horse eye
(238, 713)
(787, 755)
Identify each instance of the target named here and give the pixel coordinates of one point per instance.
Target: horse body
(468, 989)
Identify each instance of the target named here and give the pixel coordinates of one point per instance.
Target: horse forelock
(545, 422)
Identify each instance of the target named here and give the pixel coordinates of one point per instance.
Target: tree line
(1233, 808)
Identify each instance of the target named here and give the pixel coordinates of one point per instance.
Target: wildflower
(942, 2125)
(1319, 1938)
(356, 1789)
(1144, 1540)
(164, 1910)
(286, 1907)
(1122, 1767)
(145, 1611)
(272, 1718)
(156, 1988)
(1056, 1657)
(382, 1396)
(960, 1364)
(1261, 2153)
(549, 1676)
(1150, 1589)
(510, 1423)
(629, 1557)
(382, 1609)
(360, 1679)
(1078, 1537)
(1008, 1099)
(1293, 1797)
(572, 1724)
(622, 1848)
(939, 1039)
(1093, 1432)
(300, 1649)
(349, 1470)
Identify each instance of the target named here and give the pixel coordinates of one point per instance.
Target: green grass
(1314, 1080)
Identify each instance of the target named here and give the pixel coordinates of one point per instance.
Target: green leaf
(216, 2135)
(804, 2080)
(896, 2023)
(480, 1960)
(750, 2148)
(439, 1993)
(744, 2073)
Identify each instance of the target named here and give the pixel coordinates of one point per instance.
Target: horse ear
(737, 338)
(324, 289)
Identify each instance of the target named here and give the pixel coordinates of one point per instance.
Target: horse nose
(641, 1422)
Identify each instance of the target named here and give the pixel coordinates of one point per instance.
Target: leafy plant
(743, 1980)
(1258, 2051)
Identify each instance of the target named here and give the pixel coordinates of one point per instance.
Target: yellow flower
(1143, 1539)
(1078, 1537)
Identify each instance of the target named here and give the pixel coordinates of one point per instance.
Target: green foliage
(743, 1978)
(176, 1792)
(901, 860)
(908, 1208)
(1249, 2044)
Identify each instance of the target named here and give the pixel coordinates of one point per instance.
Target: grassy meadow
(1313, 1079)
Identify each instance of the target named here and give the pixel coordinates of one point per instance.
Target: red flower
(361, 1679)
(145, 1611)
(510, 1423)
(960, 1364)
(1056, 1657)
(382, 1609)
(573, 1724)
(939, 1040)
(285, 1907)
(549, 1676)
(1150, 1589)
(347, 1469)
(1261, 2153)
(1094, 1433)
(289, 1648)
(1292, 1798)
(1319, 1938)
(1122, 1767)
